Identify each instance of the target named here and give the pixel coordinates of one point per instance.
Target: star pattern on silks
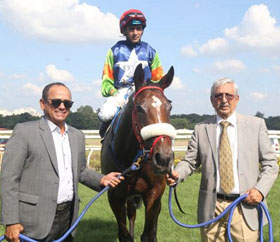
(225, 157)
(129, 66)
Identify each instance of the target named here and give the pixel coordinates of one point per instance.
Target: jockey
(120, 64)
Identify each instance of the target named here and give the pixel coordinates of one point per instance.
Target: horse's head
(151, 119)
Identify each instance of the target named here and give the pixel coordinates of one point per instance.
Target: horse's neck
(126, 144)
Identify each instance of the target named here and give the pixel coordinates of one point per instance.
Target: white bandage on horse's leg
(157, 129)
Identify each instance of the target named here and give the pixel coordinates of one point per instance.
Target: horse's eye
(170, 106)
(139, 109)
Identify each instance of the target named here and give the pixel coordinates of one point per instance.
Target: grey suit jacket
(29, 177)
(254, 150)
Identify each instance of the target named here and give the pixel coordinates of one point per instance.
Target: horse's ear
(167, 79)
(139, 77)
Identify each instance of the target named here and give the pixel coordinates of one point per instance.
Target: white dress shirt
(64, 161)
(232, 135)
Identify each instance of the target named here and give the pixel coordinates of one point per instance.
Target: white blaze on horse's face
(157, 105)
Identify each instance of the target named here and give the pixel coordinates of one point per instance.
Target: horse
(140, 134)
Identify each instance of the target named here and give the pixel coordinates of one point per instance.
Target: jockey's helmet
(132, 17)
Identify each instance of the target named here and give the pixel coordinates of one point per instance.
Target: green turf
(98, 225)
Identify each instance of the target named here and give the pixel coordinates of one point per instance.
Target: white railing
(92, 136)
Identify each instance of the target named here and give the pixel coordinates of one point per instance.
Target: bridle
(158, 130)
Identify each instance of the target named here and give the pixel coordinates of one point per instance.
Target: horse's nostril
(162, 160)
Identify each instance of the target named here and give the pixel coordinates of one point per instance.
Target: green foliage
(180, 123)
(273, 123)
(187, 121)
(83, 118)
(86, 118)
(260, 115)
(8, 122)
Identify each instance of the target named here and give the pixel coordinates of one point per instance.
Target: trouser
(240, 232)
(113, 103)
(61, 223)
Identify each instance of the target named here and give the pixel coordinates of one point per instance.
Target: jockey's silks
(120, 64)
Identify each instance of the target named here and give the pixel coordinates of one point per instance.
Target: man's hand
(172, 179)
(254, 197)
(12, 232)
(112, 179)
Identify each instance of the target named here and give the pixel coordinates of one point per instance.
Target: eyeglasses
(220, 96)
(56, 103)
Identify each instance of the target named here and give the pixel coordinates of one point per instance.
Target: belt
(230, 197)
(63, 206)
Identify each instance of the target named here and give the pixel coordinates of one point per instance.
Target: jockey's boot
(103, 128)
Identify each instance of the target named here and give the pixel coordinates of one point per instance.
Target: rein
(230, 209)
(158, 130)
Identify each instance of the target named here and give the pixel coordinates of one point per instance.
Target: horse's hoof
(148, 239)
(125, 238)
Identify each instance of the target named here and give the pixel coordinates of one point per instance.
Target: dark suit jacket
(254, 150)
(29, 177)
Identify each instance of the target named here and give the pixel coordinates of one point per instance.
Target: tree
(84, 118)
(259, 114)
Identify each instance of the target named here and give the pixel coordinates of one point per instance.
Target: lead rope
(134, 167)
(261, 206)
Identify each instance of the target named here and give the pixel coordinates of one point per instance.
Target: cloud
(196, 70)
(79, 87)
(258, 95)
(66, 21)
(17, 76)
(229, 66)
(188, 51)
(214, 46)
(58, 75)
(256, 32)
(53, 74)
(176, 83)
(30, 89)
(97, 83)
(276, 68)
(14, 77)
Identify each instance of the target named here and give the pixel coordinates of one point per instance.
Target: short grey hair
(221, 82)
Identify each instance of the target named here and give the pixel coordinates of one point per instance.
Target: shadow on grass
(96, 230)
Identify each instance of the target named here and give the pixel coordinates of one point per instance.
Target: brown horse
(142, 127)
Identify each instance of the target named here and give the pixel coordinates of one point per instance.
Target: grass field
(98, 225)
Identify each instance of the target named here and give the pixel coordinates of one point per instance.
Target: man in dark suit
(43, 163)
(241, 162)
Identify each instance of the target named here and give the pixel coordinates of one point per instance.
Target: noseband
(159, 130)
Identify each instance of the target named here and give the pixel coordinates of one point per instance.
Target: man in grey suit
(43, 163)
(252, 168)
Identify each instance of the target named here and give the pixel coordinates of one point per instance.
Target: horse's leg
(118, 207)
(152, 212)
(131, 214)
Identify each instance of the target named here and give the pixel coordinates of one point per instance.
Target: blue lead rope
(133, 167)
(261, 206)
(70, 230)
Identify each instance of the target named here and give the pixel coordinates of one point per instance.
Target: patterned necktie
(225, 156)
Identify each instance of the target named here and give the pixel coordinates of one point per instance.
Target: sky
(43, 41)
